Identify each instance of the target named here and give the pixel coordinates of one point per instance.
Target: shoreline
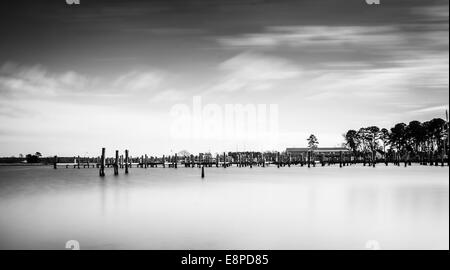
(23, 164)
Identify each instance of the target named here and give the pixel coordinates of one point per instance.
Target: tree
(398, 136)
(385, 137)
(416, 135)
(312, 141)
(184, 153)
(364, 141)
(435, 133)
(415, 138)
(352, 140)
(373, 136)
(32, 158)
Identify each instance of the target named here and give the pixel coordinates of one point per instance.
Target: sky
(127, 74)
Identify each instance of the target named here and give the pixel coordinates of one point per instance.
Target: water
(234, 208)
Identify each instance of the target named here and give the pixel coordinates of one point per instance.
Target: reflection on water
(233, 208)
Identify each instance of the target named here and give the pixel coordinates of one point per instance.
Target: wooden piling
(102, 165)
(309, 159)
(55, 163)
(127, 161)
(116, 163)
(203, 171)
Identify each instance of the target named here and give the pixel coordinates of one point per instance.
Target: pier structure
(329, 156)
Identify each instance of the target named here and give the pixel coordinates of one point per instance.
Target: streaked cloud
(139, 81)
(440, 108)
(307, 36)
(254, 72)
(24, 81)
(36, 80)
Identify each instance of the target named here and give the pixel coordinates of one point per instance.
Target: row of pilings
(309, 159)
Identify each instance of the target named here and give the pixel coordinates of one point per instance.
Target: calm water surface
(233, 208)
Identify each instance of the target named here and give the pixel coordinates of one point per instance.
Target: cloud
(310, 36)
(437, 13)
(139, 81)
(170, 95)
(37, 81)
(422, 80)
(431, 109)
(254, 72)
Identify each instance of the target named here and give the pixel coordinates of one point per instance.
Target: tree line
(425, 142)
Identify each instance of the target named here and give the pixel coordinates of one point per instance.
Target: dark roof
(319, 149)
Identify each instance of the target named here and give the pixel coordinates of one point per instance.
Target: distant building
(319, 150)
(321, 153)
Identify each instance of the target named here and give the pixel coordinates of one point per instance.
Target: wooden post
(116, 163)
(374, 159)
(313, 158)
(278, 159)
(164, 161)
(309, 159)
(176, 161)
(127, 161)
(102, 165)
(203, 171)
(55, 163)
